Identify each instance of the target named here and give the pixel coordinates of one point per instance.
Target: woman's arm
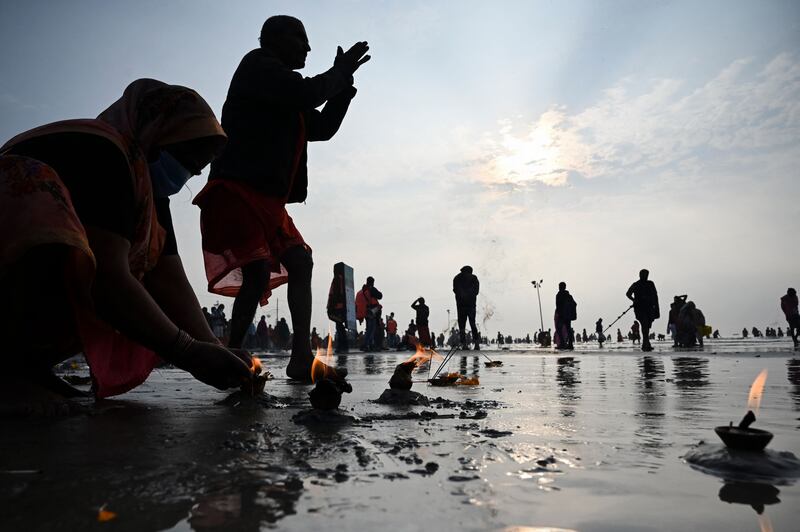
(169, 287)
(122, 301)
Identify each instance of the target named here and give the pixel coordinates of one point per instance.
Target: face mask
(167, 175)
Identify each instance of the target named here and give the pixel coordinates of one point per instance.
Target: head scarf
(152, 114)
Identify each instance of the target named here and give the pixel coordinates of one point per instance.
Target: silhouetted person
(466, 288)
(635, 334)
(391, 330)
(423, 312)
(262, 333)
(598, 328)
(645, 305)
(283, 335)
(691, 324)
(674, 309)
(789, 308)
(566, 311)
(270, 115)
(716, 334)
(368, 309)
(620, 338)
(337, 311)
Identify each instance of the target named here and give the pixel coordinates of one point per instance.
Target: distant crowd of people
(686, 324)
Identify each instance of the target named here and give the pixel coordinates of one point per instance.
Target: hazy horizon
(532, 140)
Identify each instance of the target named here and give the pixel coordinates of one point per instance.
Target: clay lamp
(401, 378)
(255, 386)
(742, 437)
(330, 382)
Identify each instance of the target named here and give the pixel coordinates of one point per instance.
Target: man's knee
(298, 262)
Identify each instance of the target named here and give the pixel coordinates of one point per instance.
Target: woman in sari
(88, 245)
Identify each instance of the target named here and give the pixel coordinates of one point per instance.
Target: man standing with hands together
(250, 243)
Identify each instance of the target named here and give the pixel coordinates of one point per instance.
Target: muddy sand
(593, 440)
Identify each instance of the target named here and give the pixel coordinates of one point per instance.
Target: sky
(563, 141)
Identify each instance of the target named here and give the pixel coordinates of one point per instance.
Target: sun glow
(532, 156)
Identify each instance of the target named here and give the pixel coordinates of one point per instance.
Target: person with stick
(644, 296)
(250, 243)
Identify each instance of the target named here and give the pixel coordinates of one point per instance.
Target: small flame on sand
(756, 391)
(423, 355)
(255, 366)
(322, 366)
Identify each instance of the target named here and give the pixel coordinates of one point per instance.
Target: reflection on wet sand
(753, 494)
(550, 432)
(568, 377)
(691, 377)
(463, 366)
(650, 412)
(793, 373)
(250, 507)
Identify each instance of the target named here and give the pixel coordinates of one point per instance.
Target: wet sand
(589, 440)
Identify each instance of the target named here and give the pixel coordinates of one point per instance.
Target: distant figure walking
(635, 334)
(250, 243)
(337, 311)
(598, 328)
(369, 309)
(645, 305)
(423, 330)
(466, 288)
(789, 308)
(566, 311)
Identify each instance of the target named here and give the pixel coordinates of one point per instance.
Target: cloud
(746, 114)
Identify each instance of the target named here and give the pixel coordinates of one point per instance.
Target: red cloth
(37, 210)
(239, 226)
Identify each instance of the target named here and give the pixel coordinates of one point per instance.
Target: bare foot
(299, 368)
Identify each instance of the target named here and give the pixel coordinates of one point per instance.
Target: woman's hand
(215, 365)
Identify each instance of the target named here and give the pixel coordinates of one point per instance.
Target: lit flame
(764, 523)
(423, 355)
(756, 391)
(322, 366)
(255, 366)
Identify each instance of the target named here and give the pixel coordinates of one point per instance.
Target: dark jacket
(466, 287)
(645, 299)
(262, 116)
(566, 306)
(789, 305)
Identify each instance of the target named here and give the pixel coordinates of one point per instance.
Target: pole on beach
(618, 318)
(537, 284)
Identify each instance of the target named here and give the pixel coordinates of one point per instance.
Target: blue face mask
(167, 175)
